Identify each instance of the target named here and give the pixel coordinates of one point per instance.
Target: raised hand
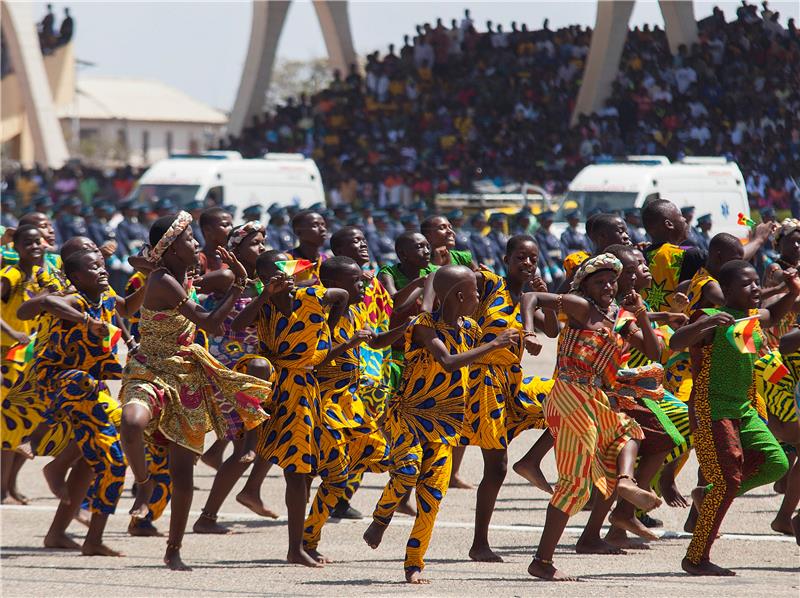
(234, 264)
(98, 328)
(362, 336)
(532, 344)
(721, 319)
(676, 320)
(277, 284)
(538, 284)
(633, 301)
(792, 281)
(680, 301)
(108, 248)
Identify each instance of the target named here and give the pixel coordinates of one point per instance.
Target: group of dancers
(321, 366)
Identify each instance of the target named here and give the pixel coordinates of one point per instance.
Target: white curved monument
(265, 32)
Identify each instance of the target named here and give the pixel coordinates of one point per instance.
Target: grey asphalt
(250, 561)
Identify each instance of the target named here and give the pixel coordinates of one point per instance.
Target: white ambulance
(284, 179)
(713, 185)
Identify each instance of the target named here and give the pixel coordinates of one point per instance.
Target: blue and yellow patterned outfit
(71, 370)
(424, 420)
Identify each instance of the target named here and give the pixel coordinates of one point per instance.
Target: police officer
(70, 223)
(633, 222)
(9, 206)
(572, 239)
(550, 258)
(253, 213)
(704, 225)
(693, 237)
(456, 218)
(498, 238)
(409, 223)
(395, 212)
(279, 233)
(131, 233)
(195, 208)
(480, 245)
(381, 242)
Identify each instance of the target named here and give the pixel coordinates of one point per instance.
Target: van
(284, 179)
(713, 185)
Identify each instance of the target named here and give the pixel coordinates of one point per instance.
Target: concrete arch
(608, 41)
(265, 31)
(39, 127)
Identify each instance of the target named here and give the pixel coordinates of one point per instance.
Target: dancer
(593, 444)
(426, 415)
(176, 388)
(294, 329)
(239, 351)
(496, 412)
(353, 442)
(735, 448)
(311, 231)
(777, 378)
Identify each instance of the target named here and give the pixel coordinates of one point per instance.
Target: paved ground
(249, 561)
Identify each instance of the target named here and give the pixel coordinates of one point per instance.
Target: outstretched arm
(700, 331)
(790, 342)
(427, 337)
(782, 306)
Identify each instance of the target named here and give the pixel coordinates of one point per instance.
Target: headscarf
(175, 230)
(240, 233)
(604, 261)
(787, 227)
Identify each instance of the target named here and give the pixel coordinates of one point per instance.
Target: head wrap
(175, 230)
(604, 261)
(240, 233)
(788, 226)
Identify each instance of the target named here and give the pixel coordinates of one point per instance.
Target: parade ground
(250, 561)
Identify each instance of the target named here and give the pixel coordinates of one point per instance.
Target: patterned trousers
(77, 395)
(735, 455)
(425, 466)
(342, 464)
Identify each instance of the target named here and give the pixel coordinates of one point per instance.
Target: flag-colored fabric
(22, 353)
(774, 370)
(741, 335)
(112, 338)
(745, 221)
(292, 267)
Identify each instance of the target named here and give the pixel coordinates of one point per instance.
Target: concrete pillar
(265, 32)
(679, 23)
(605, 51)
(335, 24)
(22, 44)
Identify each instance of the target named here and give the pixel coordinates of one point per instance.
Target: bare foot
(18, 496)
(638, 497)
(143, 494)
(406, 508)
(484, 554)
(632, 525)
(143, 528)
(98, 550)
(172, 559)
(672, 496)
(83, 517)
(618, 537)
(254, 504)
(61, 541)
(301, 557)
(705, 568)
(414, 576)
(782, 526)
(248, 457)
(548, 572)
(317, 556)
(206, 524)
(10, 500)
(25, 449)
(534, 475)
(374, 534)
(596, 546)
(457, 482)
(56, 483)
(796, 528)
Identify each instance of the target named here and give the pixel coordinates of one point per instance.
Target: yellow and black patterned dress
(777, 377)
(294, 345)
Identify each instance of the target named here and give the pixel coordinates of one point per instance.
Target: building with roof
(135, 121)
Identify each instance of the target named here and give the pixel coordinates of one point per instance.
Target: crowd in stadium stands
(455, 106)
(49, 38)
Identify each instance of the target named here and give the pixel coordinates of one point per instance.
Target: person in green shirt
(442, 238)
(734, 447)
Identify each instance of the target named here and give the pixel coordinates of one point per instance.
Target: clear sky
(200, 47)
